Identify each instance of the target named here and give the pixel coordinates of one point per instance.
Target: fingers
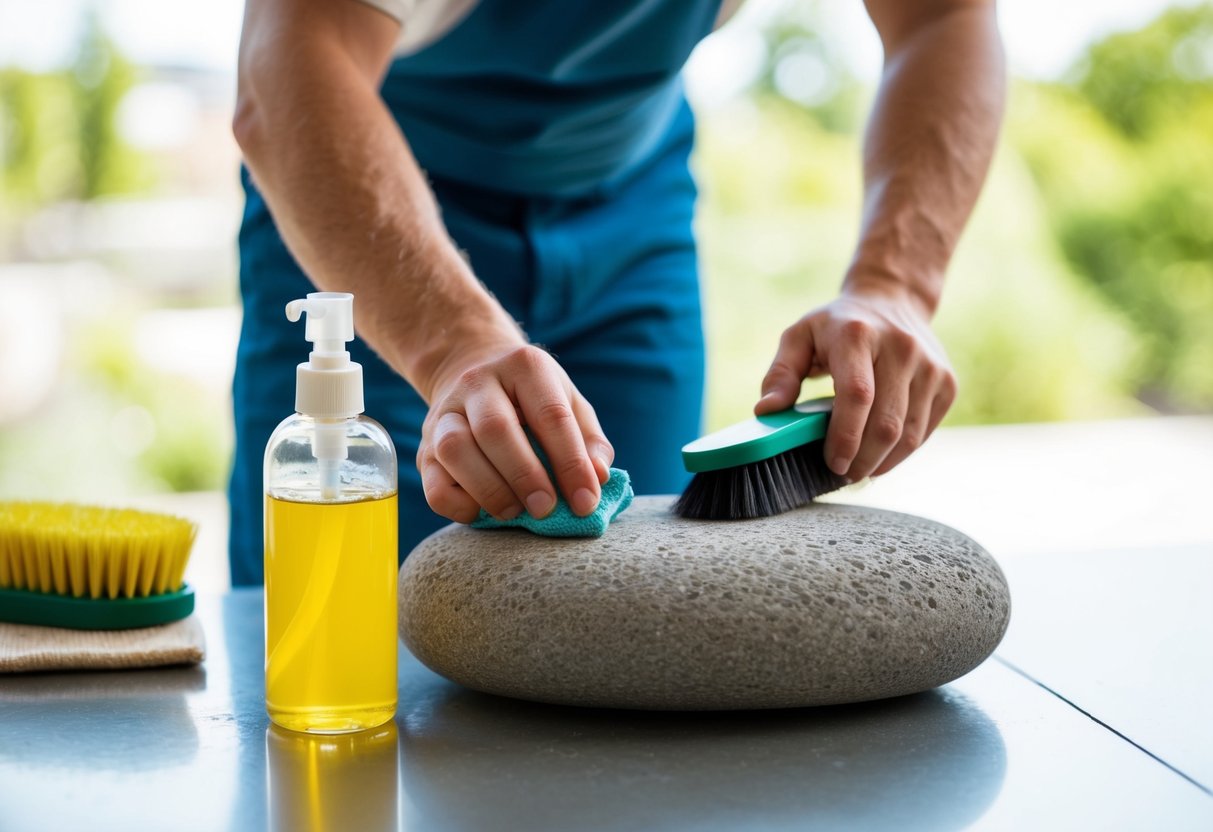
(601, 452)
(498, 433)
(547, 405)
(444, 495)
(456, 449)
(475, 451)
(854, 392)
(914, 430)
(932, 392)
(893, 373)
(944, 398)
(793, 362)
(892, 384)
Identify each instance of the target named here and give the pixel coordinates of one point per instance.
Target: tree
(1139, 223)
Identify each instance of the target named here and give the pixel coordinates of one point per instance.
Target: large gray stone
(823, 605)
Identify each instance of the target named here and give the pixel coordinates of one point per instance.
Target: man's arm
(355, 211)
(926, 153)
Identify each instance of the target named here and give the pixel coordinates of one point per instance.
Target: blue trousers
(607, 282)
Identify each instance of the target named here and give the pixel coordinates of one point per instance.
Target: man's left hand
(892, 381)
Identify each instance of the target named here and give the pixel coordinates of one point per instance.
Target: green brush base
(21, 606)
(759, 438)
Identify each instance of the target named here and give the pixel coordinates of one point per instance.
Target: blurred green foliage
(1134, 216)
(1142, 81)
(805, 66)
(58, 130)
(186, 451)
(114, 426)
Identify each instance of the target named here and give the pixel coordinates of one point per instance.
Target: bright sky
(1043, 36)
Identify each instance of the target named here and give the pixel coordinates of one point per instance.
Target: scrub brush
(90, 568)
(763, 466)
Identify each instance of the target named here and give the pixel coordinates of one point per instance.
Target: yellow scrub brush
(92, 568)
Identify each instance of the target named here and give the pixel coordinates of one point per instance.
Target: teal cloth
(562, 522)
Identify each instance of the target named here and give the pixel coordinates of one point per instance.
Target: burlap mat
(24, 647)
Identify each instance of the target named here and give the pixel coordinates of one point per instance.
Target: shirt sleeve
(399, 9)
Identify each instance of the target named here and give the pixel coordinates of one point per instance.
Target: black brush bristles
(770, 486)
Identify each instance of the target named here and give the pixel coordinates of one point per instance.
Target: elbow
(247, 121)
(255, 86)
(898, 22)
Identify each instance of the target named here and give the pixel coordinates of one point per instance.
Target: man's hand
(927, 149)
(892, 381)
(474, 451)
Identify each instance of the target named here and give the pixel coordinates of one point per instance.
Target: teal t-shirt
(547, 97)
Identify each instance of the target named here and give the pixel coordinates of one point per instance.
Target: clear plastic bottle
(330, 543)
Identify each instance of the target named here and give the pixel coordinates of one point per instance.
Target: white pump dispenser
(328, 386)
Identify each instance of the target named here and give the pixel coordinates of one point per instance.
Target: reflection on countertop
(471, 761)
(146, 726)
(188, 749)
(345, 781)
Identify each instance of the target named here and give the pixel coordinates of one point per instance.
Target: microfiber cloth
(561, 521)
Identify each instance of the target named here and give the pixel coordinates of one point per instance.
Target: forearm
(352, 204)
(928, 146)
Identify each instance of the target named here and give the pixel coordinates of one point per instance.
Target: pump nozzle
(328, 384)
(330, 319)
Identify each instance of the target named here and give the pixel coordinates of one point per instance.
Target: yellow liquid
(330, 614)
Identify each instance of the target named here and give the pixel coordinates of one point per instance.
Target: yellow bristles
(89, 551)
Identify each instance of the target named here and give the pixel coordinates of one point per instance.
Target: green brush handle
(759, 438)
(21, 606)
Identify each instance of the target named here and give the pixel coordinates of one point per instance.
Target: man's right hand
(474, 451)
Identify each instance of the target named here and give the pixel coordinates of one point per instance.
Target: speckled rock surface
(824, 605)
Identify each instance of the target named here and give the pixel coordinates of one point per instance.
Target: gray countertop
(193, 749)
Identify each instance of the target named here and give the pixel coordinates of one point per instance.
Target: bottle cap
(328, 384)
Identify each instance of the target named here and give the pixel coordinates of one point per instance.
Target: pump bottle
(330, 542)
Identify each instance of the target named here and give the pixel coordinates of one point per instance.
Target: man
(463, 165)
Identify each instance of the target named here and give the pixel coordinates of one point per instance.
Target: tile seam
(1016, 669)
